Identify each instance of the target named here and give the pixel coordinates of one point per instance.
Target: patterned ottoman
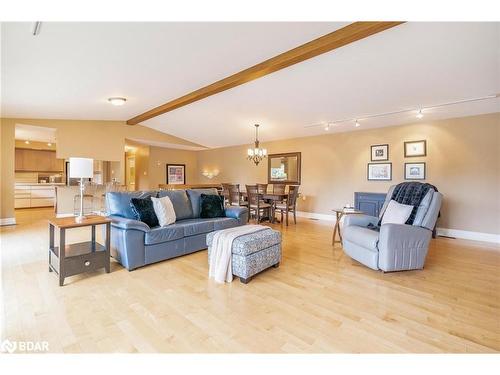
(253, 253)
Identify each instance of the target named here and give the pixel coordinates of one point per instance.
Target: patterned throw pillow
(144, 211)
(212, 206)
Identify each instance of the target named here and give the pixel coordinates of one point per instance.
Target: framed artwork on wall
(415, 148)
(379, 171)
(379, 152)
(415, 171)
(176, 174)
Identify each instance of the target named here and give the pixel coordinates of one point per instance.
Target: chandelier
(256, 154)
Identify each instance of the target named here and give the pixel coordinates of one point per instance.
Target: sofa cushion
(180, 201)
(118, 202)
(164, 234)
(361, 236)
(164, 210)
(212, 206)
(144, 211)
(193, 227)
(195, 198)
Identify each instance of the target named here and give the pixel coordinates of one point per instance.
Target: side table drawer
(84, 263)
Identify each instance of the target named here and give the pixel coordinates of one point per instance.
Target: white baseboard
(468, 235)
(462, 234)
(314, 215)
(8, 221)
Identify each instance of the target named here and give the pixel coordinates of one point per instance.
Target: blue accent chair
(397, 247)
(134, 244)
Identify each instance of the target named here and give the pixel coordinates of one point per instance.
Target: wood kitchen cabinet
(28, 160)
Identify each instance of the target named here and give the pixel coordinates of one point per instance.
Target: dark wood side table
(69, 260)
(340, 212)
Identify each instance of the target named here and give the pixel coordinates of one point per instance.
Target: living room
(318, 187)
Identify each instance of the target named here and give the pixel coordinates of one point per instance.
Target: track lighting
(419, 110)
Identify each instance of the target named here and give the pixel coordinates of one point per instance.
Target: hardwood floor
(318, 300)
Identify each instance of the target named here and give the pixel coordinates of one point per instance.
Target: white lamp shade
(81, 168)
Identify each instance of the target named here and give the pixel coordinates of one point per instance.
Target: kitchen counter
(40, 184)
(29, 195)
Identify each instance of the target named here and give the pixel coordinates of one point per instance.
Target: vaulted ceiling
(70, 69)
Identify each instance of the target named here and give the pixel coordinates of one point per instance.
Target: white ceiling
(69, 70)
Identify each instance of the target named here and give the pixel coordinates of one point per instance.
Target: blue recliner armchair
(134, 244)
(396, 247)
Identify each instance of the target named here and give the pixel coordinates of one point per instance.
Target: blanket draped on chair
(221, 268)
(411, 193)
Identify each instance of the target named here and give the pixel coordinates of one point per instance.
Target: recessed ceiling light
(357, 124)
(117, 101)
(420, 114)
(27, 142)
(327, 127)
(49, 144)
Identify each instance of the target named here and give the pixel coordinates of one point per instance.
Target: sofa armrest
(124, 223)
(237, 212)
(360, 220)
(402, 247)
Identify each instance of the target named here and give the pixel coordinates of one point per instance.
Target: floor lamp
(81, 168)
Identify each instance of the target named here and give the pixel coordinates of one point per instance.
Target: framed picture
(414, 171)
(379, 171)
(380, 152)
(176, 174)
(415, 148)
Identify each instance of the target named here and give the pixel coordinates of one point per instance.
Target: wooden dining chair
(279, 188)
(235, 196)
(255, 203)
(290, 205)
(225, 193)
(262, 188)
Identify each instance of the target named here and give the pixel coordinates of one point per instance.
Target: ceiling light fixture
(117, 101)
(357, 124)
(327, 127)
(419, 114)
(27, 142)
(49, 144)
(256, 154)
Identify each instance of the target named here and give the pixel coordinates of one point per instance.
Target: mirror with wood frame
(284, 168)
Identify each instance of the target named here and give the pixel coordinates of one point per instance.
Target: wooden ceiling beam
(326, 43)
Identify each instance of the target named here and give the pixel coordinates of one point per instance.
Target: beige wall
(160, 157)
(463, 157)
(100, 140)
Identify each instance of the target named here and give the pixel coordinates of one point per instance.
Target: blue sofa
(134, 244)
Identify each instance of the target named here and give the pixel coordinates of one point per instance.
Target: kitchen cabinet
(34, 196)
(38, 161)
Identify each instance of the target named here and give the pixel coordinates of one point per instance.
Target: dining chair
(255, 203)
(225, 193)
(235, 196)
(262, 188)
(279, 188)
(290, 205)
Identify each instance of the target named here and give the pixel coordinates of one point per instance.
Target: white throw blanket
(220, 255)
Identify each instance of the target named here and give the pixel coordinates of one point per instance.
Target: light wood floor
(319, 300)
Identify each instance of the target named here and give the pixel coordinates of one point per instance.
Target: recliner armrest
(126, 224)
(360, 220)
(237, 212)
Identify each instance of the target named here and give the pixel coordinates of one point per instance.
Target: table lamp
(81, 168)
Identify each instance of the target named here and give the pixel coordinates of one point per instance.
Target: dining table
(273, 197)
